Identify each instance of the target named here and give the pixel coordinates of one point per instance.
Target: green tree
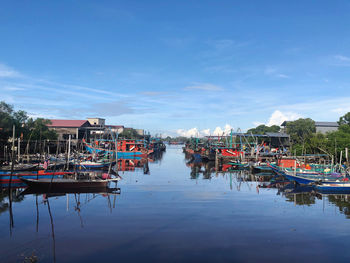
(38, 130)
(25, 127)
(301, 130)
(344, 119)
(263, 129)
(129, 133)
(8, 118)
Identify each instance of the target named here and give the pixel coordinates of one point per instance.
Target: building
(96, 122)
(324, 127)
(140, 132)
(115, 128)
(76, 128)
(278, 139)
(321, 126)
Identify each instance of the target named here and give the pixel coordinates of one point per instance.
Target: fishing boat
(230, 152)
(125, 148)
(232, 166)
(87, 165)
(307, 178)
(262, 168)
(19, 167)
(16, 177)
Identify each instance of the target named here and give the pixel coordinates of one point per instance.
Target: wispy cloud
(8, 72)
(204, 86)
(153, 93)
(337, 60)
(342, 58)
(275, 72)
(221, 44)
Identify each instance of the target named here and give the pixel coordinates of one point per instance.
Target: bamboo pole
(12, 156)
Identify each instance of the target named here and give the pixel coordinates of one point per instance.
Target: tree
(344, 119)
(39, 130)
(263, 129)
(25, 127)
(301, 130)
(8, 118)
(129, 133)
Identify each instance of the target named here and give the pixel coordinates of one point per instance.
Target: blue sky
(177, 67)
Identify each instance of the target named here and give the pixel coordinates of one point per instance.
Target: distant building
(115, 128)
(324, 127)
(140, 132)
(96, 122)
(278, 139)
(321, 126)
(76, 128)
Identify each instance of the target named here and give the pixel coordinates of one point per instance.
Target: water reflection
(158, 218)
(342, 202)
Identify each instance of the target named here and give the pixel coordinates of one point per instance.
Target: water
(167, 216)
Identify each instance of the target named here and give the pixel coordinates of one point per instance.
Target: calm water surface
(172, 215)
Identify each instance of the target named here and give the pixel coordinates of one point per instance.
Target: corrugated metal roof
(319, 123)
(326, 124)
(67, 123)
(277, 134)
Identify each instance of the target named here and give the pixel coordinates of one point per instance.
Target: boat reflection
(79, 197)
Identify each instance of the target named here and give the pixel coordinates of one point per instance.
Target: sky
(177, 67)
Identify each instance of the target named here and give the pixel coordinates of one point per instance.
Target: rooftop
(319, 123)
(114, 126)
(67, 123)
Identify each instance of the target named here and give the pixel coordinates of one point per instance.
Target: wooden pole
(19, 150)
(68, 156)
(12, 156)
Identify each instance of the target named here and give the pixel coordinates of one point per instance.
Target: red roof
(67, 123)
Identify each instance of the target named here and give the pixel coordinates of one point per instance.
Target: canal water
(176, 214)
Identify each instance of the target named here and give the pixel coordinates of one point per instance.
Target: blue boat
(16, 182)
(122, 154)
(307, 178)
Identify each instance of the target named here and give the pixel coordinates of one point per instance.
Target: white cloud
(204, 86)
(194, 132)
(205, 132)
(188, 133)
(223, 131)
(7, 72)
(277, 117)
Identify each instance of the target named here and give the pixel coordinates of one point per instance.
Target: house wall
(96, 121)
(140, 131)
(63, 133)
(322, 129)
